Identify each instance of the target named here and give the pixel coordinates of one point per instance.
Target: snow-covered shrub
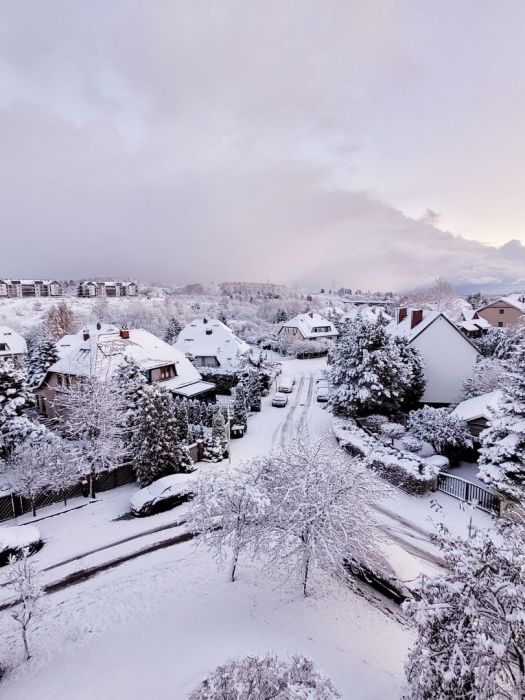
(392, 431)
(502, 453)
(409, 443)
(403, 469)
(446, 433)
(496, 342)
(470, 621)
(240, 411)
(262, 678)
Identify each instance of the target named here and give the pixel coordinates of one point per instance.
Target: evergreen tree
(240, 413)
(43, 354)
(414, 380)
(172, 331)
(183, 460)
(367, 373)
(253, 390)
(154, 443)
(182, 421)
(502, 454)
(15, 398)
(218, 431)
(130, 381)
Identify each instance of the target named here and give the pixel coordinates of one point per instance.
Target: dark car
(161, 495)
(14, 539)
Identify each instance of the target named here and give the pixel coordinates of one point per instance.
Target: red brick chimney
(402, 313)
(124, 333)
(85, 334)
(416, 318)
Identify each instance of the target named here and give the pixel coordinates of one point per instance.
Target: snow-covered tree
(181, 415)
(496, 342)
(470, 622)
(228, 512)
(262, 678)
(129, 380)
(43, 354)
(15, 395)
(367, 373)
(60, 320)
(90, 412)
(487, 377)
(253, 390)
(446, 433)
(219, 431)
(414, 376)
(22, 579)
(155, 446)
(63, 466)
(392, 431)
(18, 430)
(321, 508)
(502, 453)
(172, 331)
(26, 470)
(212, 449)
(240, 412)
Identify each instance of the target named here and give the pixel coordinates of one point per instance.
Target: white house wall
(449, 359)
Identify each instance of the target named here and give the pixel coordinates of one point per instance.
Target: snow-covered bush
(470, 622)
(392, 431)
(403, 469)
(502, 453)
(446, 433)
(240, 411)
(262, 678)
(409, 443)
(496, 343)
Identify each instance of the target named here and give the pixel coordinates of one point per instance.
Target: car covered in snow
(162, 494)
(279, 400)
(285, 384)
(15, 538)
(323, 394)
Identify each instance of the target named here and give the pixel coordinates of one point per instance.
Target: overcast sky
(375, 143)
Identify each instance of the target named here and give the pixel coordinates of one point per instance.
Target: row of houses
(30, 288)
(107, 289)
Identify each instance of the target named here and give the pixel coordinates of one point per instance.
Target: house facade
(30, 288)
(504, 312)
(448, 355)
(308, 326)
(211, 344)
(97, 351)
(107, 289)
(13, 346)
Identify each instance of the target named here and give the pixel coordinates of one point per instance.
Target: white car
(285, 384)
(15, 538)
(162, 494)
(279, 400)
(323, 394)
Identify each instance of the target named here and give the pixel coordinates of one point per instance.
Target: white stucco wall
(449, 359)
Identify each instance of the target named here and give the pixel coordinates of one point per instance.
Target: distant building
(308, 326)
(107, 289)
(472, 325)
(448, 355)
(12, 346)
(369, 313)
(210, 343)
(504, 312)
(30, 288)
(98, 350)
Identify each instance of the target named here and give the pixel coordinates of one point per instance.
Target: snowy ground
(154, 626)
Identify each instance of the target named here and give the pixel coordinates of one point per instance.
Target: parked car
(163, 494)
(285, 384)
(15, 538)
(323, 394)
(279, 400)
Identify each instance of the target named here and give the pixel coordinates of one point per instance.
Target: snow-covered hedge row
(408, 471)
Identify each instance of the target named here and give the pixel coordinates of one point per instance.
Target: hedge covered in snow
(403, 469)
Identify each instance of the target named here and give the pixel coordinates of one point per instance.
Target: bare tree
(91, 415)
(22, 579)
(63, 466)
(26, 469)
(60, 320)
(229, 512)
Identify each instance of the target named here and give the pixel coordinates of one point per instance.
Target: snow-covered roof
(306, 323)
(205, 337)
(106, 349)
(516, 300)
(16, 344)
(478, 407)
(404, 327)
(370, 313)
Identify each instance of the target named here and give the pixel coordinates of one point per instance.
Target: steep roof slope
(211, 338)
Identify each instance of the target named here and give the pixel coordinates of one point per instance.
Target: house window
(500, 324)
(166, 372)
(501, 311)
(3, 347)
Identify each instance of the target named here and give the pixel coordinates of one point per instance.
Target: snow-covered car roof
(18, 537)
(176, 483)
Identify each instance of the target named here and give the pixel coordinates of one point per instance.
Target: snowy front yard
(156, 626)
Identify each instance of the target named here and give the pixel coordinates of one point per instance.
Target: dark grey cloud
(232, 140)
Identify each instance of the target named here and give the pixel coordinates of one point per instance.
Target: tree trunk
(235, 559)
(26, 646)
(305, 576)
(92, 485)
(33, 506)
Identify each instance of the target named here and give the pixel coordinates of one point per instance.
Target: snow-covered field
(154, 626)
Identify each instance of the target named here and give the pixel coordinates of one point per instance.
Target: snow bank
(402, 469)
